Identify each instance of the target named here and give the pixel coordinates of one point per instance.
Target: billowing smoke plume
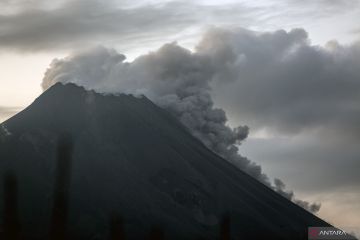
(174, 78)
(280, 187)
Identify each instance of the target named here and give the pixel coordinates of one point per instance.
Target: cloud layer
(75, 24)
(33, 26)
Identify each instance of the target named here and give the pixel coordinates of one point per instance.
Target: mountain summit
(133, 159)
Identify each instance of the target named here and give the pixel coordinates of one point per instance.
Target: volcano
(131, 159)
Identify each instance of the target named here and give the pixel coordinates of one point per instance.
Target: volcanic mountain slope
(132, 158)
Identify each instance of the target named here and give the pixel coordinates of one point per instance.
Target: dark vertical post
(156, 233)
(61, 188)
(225, 228)
(116, 228)
(11, 217)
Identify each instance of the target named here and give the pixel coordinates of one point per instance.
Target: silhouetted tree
(61, 188)
(156, 233)
(11, 215)
(116, 228)
(225, 228)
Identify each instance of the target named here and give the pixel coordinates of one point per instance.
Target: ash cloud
(280, 187)
(174, 78)
(278, 81)
(38, 25)
(184, 82)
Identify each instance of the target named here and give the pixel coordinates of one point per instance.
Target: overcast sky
(298, 90)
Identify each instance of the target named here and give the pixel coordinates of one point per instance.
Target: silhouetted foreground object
(225, 228)
(61, 191)
(134, 158)
(156, 234)
(117, 228)
(11, 215)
